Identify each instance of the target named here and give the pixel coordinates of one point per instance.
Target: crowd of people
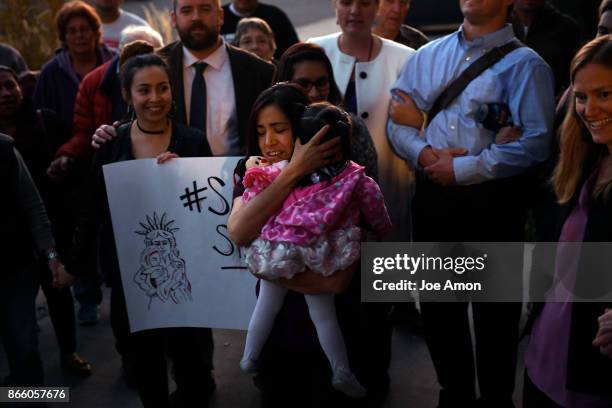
(377, 112)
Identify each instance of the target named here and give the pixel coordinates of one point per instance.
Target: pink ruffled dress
(316, 228)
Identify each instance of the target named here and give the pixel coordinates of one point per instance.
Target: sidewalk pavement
(413, 382)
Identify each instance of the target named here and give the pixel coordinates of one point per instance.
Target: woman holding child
(287, 365)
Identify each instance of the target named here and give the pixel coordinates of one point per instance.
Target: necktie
(197, 112)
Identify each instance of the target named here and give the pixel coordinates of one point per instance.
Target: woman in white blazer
(366, 67)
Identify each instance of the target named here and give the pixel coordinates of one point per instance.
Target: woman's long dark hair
(302, 52)
(287, 97)
(606, 5)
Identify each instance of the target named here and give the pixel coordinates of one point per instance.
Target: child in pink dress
(315, 229)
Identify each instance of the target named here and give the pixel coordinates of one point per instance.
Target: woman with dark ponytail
(152, 133)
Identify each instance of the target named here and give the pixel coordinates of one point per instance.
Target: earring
(131, 113)
(172, 112)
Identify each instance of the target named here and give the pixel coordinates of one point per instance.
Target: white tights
(322, 310)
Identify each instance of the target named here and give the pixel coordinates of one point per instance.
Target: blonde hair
(576, 145)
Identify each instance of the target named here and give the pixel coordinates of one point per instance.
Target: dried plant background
(29, 26)
(159, 20)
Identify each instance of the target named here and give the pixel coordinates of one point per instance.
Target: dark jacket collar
(110, 77)
(246, 75)
(173, 53)
(111, 87)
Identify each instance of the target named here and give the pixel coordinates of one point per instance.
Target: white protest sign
(178, 266)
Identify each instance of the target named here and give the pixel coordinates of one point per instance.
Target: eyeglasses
(74, 31)
(321, 83)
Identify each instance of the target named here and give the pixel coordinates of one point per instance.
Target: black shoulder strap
(42, 125)
(454, 89)
(54, 134)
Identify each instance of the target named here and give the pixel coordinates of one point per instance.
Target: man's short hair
(175, 1)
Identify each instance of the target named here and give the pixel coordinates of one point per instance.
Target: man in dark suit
(232, 78)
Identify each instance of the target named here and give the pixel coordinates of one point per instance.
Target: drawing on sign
(162, 271)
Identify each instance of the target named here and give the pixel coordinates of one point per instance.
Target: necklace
(149, 132)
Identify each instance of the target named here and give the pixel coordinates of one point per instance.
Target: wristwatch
(51, 254)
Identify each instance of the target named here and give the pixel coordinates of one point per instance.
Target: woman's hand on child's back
(310, 157)
(312, 283)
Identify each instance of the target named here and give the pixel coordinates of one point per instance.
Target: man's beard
(201, 43)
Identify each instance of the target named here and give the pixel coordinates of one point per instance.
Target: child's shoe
(248, 366)
(345, 381)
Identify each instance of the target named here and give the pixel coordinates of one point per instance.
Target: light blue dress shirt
(522, 80)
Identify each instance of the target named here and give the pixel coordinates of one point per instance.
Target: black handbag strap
(42, 124)
(454, 89)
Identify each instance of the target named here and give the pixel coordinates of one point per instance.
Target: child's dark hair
(135, 64)
(289, 98)
(320, 114)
